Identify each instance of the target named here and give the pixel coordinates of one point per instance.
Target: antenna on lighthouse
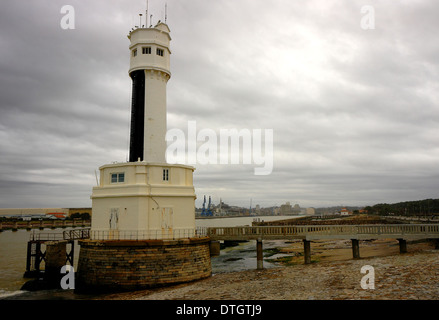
(140, 20)
(166, 11)
(146, 14)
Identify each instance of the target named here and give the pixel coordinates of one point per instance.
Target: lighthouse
(145, 197)
(143, 210)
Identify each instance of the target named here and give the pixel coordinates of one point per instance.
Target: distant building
(310, 211)
(56, 215)
(285, 209)
(258, 209)
(297, 209)
(345, 212)
(80, 211)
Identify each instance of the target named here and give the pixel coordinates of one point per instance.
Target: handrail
(327, 230)
(45, 236)
(167, 234)
(246, 232)
(76, 234)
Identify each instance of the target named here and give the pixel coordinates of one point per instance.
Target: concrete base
(55, 257)
(215, 248)
(124, 265)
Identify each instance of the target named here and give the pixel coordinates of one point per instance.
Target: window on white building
(160, 52)
(165, 174)
(117, 177)
(146, 50)
(134, 52)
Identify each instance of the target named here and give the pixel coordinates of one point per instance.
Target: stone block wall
(125, 265)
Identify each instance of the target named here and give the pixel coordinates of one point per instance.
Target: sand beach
(332, 275)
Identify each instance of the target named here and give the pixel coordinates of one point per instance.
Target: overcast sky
(354, 111)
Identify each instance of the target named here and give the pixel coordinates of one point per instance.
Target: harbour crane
(205, 212)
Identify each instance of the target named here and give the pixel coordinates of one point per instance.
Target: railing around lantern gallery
(165, 234)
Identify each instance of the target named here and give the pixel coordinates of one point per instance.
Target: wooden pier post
(215, 248)
(402, 246)
(35, 256)
(259, 255)
(307, 251)
(28, 258)
(355, 249)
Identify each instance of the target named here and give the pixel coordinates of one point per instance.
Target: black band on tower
(137, 115)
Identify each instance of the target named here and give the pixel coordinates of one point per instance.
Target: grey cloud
(354, 112)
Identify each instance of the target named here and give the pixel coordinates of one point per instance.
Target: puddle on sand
(243, 257)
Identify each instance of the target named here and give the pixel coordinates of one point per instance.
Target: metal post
(402, 246)
(259, 255)
(307, 251)
(355, 248)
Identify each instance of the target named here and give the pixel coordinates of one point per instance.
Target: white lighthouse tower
(150, 72)
(146, 198)
(143, 211)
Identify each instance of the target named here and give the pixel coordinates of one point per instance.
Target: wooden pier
(42, 224)
(400, 232)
